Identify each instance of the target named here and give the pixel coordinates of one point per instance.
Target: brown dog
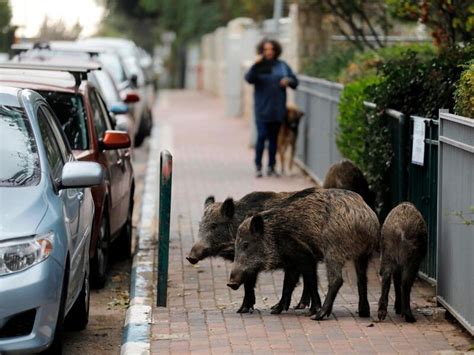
(288, 134)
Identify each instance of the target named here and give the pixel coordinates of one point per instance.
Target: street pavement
(212, 156)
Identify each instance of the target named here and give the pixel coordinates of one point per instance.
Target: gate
(422, 191)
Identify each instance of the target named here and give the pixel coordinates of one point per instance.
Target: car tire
(56, 346)
(124, 241)
(100, 262)
(144, 129)
(78, 316)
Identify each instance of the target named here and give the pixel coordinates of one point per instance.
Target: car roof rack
(79, 72)
(18, 48)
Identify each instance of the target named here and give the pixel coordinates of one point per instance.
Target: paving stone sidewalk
(212, 156)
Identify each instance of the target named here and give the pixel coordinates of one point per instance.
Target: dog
(288, 134)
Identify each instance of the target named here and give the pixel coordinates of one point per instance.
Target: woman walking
(271, 77)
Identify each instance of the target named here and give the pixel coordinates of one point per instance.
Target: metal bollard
(166, 173)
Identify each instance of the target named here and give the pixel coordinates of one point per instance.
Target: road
(103, 334)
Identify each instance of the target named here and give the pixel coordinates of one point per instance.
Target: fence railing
(456, 218)
(316, 148)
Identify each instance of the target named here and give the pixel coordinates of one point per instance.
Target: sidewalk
(211, 156)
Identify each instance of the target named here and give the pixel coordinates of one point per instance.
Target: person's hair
(275, 44)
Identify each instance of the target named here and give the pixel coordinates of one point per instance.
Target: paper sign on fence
(418, 149)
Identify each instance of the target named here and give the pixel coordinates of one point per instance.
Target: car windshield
(70, 111)
(113, 64)
(19, 161)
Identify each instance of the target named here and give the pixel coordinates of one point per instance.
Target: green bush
(464, 94)
(330, 65)
(413, 82)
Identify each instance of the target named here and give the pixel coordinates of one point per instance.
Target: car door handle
(80, 196)
(127, 154)
(119, 162)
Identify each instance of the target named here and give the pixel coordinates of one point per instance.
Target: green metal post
(166, 173)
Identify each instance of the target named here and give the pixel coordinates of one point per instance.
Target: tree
(5, 15)
(363, 23)
(451, 21)
(55, 31)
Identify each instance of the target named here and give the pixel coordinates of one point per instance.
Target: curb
(136, 332)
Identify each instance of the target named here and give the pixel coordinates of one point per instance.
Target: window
(51, 147)
(19, 160)
(58, 133)
(99, 122)
(70, 111)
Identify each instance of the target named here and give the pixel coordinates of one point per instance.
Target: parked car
(46, 218)
(86, 122)
(108, 80)
(136, 79)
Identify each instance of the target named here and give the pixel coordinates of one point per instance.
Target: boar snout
(197, 253)
(235, 280)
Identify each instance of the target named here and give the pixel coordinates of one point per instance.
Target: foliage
(415, 82)
(56, 31)
(451, 21)
(330, 65)
(5, 14)
(356, 20)
(464, 94)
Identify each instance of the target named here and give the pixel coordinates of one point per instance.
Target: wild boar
(346, 175)
(330, 224)
(218, 229)
(403, 246)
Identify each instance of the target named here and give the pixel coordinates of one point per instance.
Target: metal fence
(316, 146)
(455, 217)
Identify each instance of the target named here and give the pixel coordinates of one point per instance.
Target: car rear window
(71, 113)
(19, 160)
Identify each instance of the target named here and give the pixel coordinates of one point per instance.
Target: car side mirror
(78, 174)
(131, 97)
(115, 140)
(119, 108)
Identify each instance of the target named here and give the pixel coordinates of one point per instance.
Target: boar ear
(256, 225)
(209, 200)
(228, 208)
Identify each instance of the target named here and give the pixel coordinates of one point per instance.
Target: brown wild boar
(346, 175)
(403, 247)
(330, 224)
(218, 229)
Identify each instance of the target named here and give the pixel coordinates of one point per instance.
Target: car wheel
(144, 129)
(124, 242)
(56, 346)
(100, 262)
(78, 316)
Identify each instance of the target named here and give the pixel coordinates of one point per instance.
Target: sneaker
(272, 172)
(258, 173)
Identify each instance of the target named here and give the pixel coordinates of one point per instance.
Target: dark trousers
(266, 131)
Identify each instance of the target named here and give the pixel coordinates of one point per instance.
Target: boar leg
(361, 265)
(289, 284)
(383, 301)
(397, 283)
(408, 277)
(311, 283)
(249, 296)
(334, 271)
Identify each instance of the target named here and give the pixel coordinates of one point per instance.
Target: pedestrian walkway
(212, 156)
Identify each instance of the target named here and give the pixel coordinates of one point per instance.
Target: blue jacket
(269, 96)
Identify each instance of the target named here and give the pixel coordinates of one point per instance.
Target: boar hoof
(320, 314)
(245, 309)
(364, 313)
(398, 308)
(409, 318)
(382, 314)
(301, 305)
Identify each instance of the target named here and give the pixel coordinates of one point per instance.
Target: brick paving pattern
(211, 156)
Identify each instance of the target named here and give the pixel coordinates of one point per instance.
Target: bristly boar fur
(346, 175)
(218, 230)
(331, 224)
(403, 246)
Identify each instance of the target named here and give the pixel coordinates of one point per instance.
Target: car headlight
(20, 254)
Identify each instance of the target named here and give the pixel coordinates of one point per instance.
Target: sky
(29, 14)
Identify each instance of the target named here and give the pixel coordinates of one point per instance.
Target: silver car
(46, 212)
